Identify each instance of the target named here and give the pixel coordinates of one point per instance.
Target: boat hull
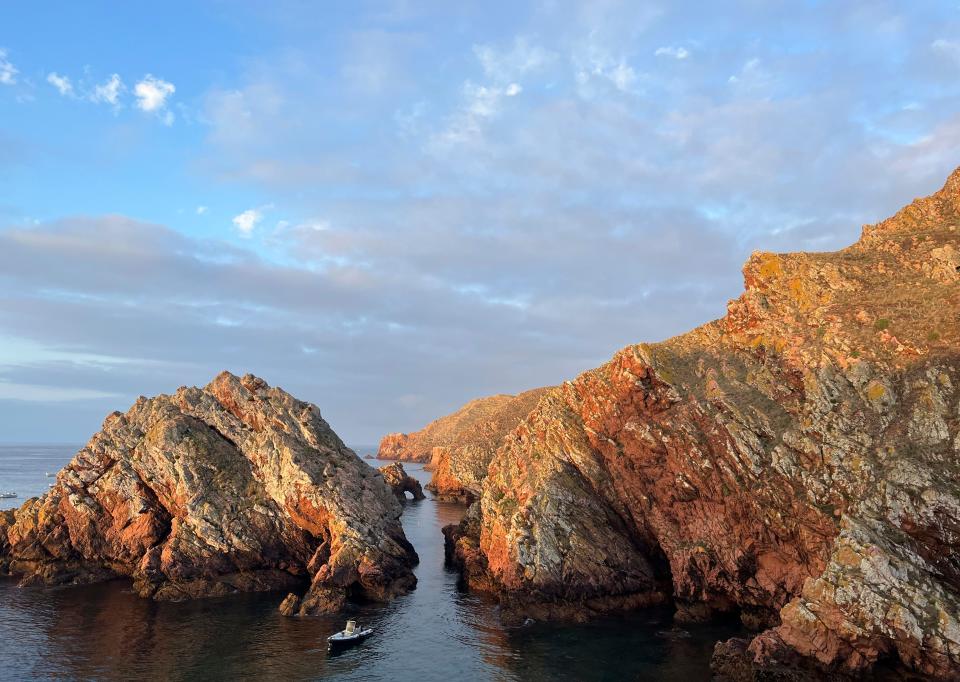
(339, 641)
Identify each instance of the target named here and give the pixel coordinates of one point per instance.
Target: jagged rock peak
(234, 487)
(796, 462)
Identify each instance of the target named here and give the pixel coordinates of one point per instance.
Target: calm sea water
(437, 632)
(23, 469)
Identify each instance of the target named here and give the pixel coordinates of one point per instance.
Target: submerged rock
(401, 482)
(234, 487)
(290, 606)
(797, 461)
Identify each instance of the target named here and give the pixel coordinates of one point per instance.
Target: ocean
(437, 632)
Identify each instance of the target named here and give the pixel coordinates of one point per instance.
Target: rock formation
(796, 462)
(401, 482)
(477, 417)
(234, 487)
(459, 468)
(397, 446)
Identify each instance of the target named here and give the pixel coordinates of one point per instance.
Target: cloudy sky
(389, 208)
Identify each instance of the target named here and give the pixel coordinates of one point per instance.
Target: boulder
(234, 487)
(401, 482)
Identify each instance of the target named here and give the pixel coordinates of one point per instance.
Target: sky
(390, 208)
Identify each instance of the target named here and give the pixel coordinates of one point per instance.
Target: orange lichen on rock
(482, 419)
(234, 487)
(459, 468)
(797, 462)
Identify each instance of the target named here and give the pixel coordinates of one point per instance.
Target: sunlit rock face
(482, 420)
(234, 487)
(459, 468)
(401, 482)
(797, 462)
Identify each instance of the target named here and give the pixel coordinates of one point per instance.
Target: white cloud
(315, 225)
(247, 221)
(408, 119)
(48, 394)
(481, 103)
(108, 92)
(752, 76)
(675, 52)
(202, 210)
(61, 83)
(8, 72)
(152, 94)
(594, 62)
(506, 65)
(949, 48)
(622, 76)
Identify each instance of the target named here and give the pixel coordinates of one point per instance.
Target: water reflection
(435, 633)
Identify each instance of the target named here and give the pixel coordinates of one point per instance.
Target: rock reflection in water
(437, 632)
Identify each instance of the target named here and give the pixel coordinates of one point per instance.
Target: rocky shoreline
(401, 482)
(478, 423)
(796, 463)
(235, 487)
(458, 447)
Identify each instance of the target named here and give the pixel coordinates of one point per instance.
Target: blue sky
(390, 208)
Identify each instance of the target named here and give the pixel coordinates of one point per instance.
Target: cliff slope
(460, 467)
(797, 461)
(481, 418)
(234, 487)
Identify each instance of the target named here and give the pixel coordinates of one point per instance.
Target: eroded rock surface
(401, 482)
(797, 461)
(477, 417)
(234, 487)
(459, 468)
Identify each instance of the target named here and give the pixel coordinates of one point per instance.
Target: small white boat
(350, 635)
(50, 485)
(7, 496)
(49, 475)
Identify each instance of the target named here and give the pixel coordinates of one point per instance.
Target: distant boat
(7, 496)
(350, 635)
(50, 485)
(49, 475)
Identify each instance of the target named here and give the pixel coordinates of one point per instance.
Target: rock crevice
(234, 487)
(797, 461)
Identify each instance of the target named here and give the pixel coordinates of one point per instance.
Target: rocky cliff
(478, 417)
(401, 482)
(460, 467)
(234, 487)
(796, 462)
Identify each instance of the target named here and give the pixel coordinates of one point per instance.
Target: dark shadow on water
(643, 645)
(437, 632)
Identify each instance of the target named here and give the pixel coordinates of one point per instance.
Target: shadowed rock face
(480, 418)
(234, 487)
(400, 482)
(459, 468)
(797, 461)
